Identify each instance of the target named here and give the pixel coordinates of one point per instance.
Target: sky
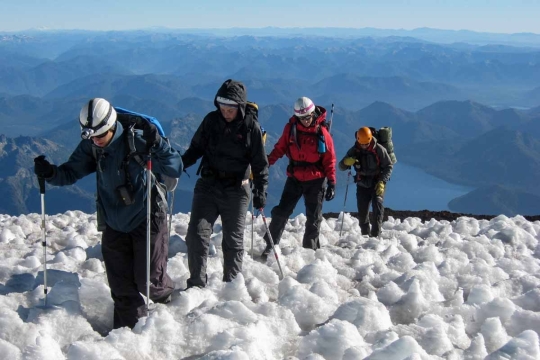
(501, 16)
(466, 289)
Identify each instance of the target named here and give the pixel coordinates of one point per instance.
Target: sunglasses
(101, 136)
(305, 117)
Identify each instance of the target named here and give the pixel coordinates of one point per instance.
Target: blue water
(410, 188)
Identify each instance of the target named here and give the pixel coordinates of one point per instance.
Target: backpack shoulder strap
(248, 125)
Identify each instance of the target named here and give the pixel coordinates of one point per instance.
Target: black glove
(150, 134)
(259, 199)
(42, 167)
(330, 192)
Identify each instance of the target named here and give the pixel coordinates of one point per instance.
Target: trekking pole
(170, 215)
(271, 241)
(345, 202)
(331, 119)
(41, 182)
(148, 225)
(252, 220)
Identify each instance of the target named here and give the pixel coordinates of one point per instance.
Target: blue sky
(503, 16)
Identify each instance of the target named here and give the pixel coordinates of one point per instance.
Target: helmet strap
(89, 114)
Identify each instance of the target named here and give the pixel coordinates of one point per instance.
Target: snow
(467, 289)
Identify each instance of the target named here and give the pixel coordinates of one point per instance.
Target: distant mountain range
(458, 37)
(464, 109)
(352, 71)
(494, 151)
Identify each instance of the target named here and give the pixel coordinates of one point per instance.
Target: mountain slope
(496, 199)
(355, 91)
(18, 184)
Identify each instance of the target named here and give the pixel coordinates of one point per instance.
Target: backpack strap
(374, 151)
(248, 124)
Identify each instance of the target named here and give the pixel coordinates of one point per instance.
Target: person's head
(231, 99)
(364, 137)
(98, 121)
(304, 110)
(228, 108)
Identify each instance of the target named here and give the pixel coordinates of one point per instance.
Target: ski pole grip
(41, 182)
(149, 161)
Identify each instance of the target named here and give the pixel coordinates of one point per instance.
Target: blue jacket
(110, 175)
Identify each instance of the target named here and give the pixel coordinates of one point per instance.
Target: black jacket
(373, 164)
(225, 147)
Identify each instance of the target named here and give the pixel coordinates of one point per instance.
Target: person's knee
(283, 211)
(234, 243)
(198, 229)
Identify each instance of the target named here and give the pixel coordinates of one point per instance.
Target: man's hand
(150, 134)
(43, 168)
(330, 192)
(379, 188)
(259, 199)
(349, 161)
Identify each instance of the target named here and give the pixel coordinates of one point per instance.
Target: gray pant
(125, 261)
(313, 192)
(364, 197)
(211, 199)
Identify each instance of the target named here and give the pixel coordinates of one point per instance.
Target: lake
(410, 188)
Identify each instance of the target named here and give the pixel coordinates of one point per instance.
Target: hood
(321, 115)
(233, 90)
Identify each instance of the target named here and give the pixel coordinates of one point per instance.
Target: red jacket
(303, 148)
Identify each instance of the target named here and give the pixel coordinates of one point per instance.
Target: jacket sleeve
(259, 161)
(329, 157)
(197, 146)
(385, 164)
(80, 163)
(281, 146)
(350, 153)
(165, 159)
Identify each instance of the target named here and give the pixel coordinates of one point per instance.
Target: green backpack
(384, 137)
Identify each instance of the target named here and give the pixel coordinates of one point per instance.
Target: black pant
(313, 192)
(364, 196)
(211, 199)
(125, 261)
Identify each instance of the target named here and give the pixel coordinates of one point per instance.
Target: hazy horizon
(240, 28)
(497, 16)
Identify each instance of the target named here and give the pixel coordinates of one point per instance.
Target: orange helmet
(364, 136)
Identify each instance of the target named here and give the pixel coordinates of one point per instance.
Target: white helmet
(96, 118)
(303, 107)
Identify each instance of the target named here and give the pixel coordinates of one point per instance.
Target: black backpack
(249, 122)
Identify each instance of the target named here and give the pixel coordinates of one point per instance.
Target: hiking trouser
(211, 199)
(313, 192)
(364, 197)
(125, 262)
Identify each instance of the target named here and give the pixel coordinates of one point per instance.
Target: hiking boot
(266, 252)
(364, 228)
(163, 300)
